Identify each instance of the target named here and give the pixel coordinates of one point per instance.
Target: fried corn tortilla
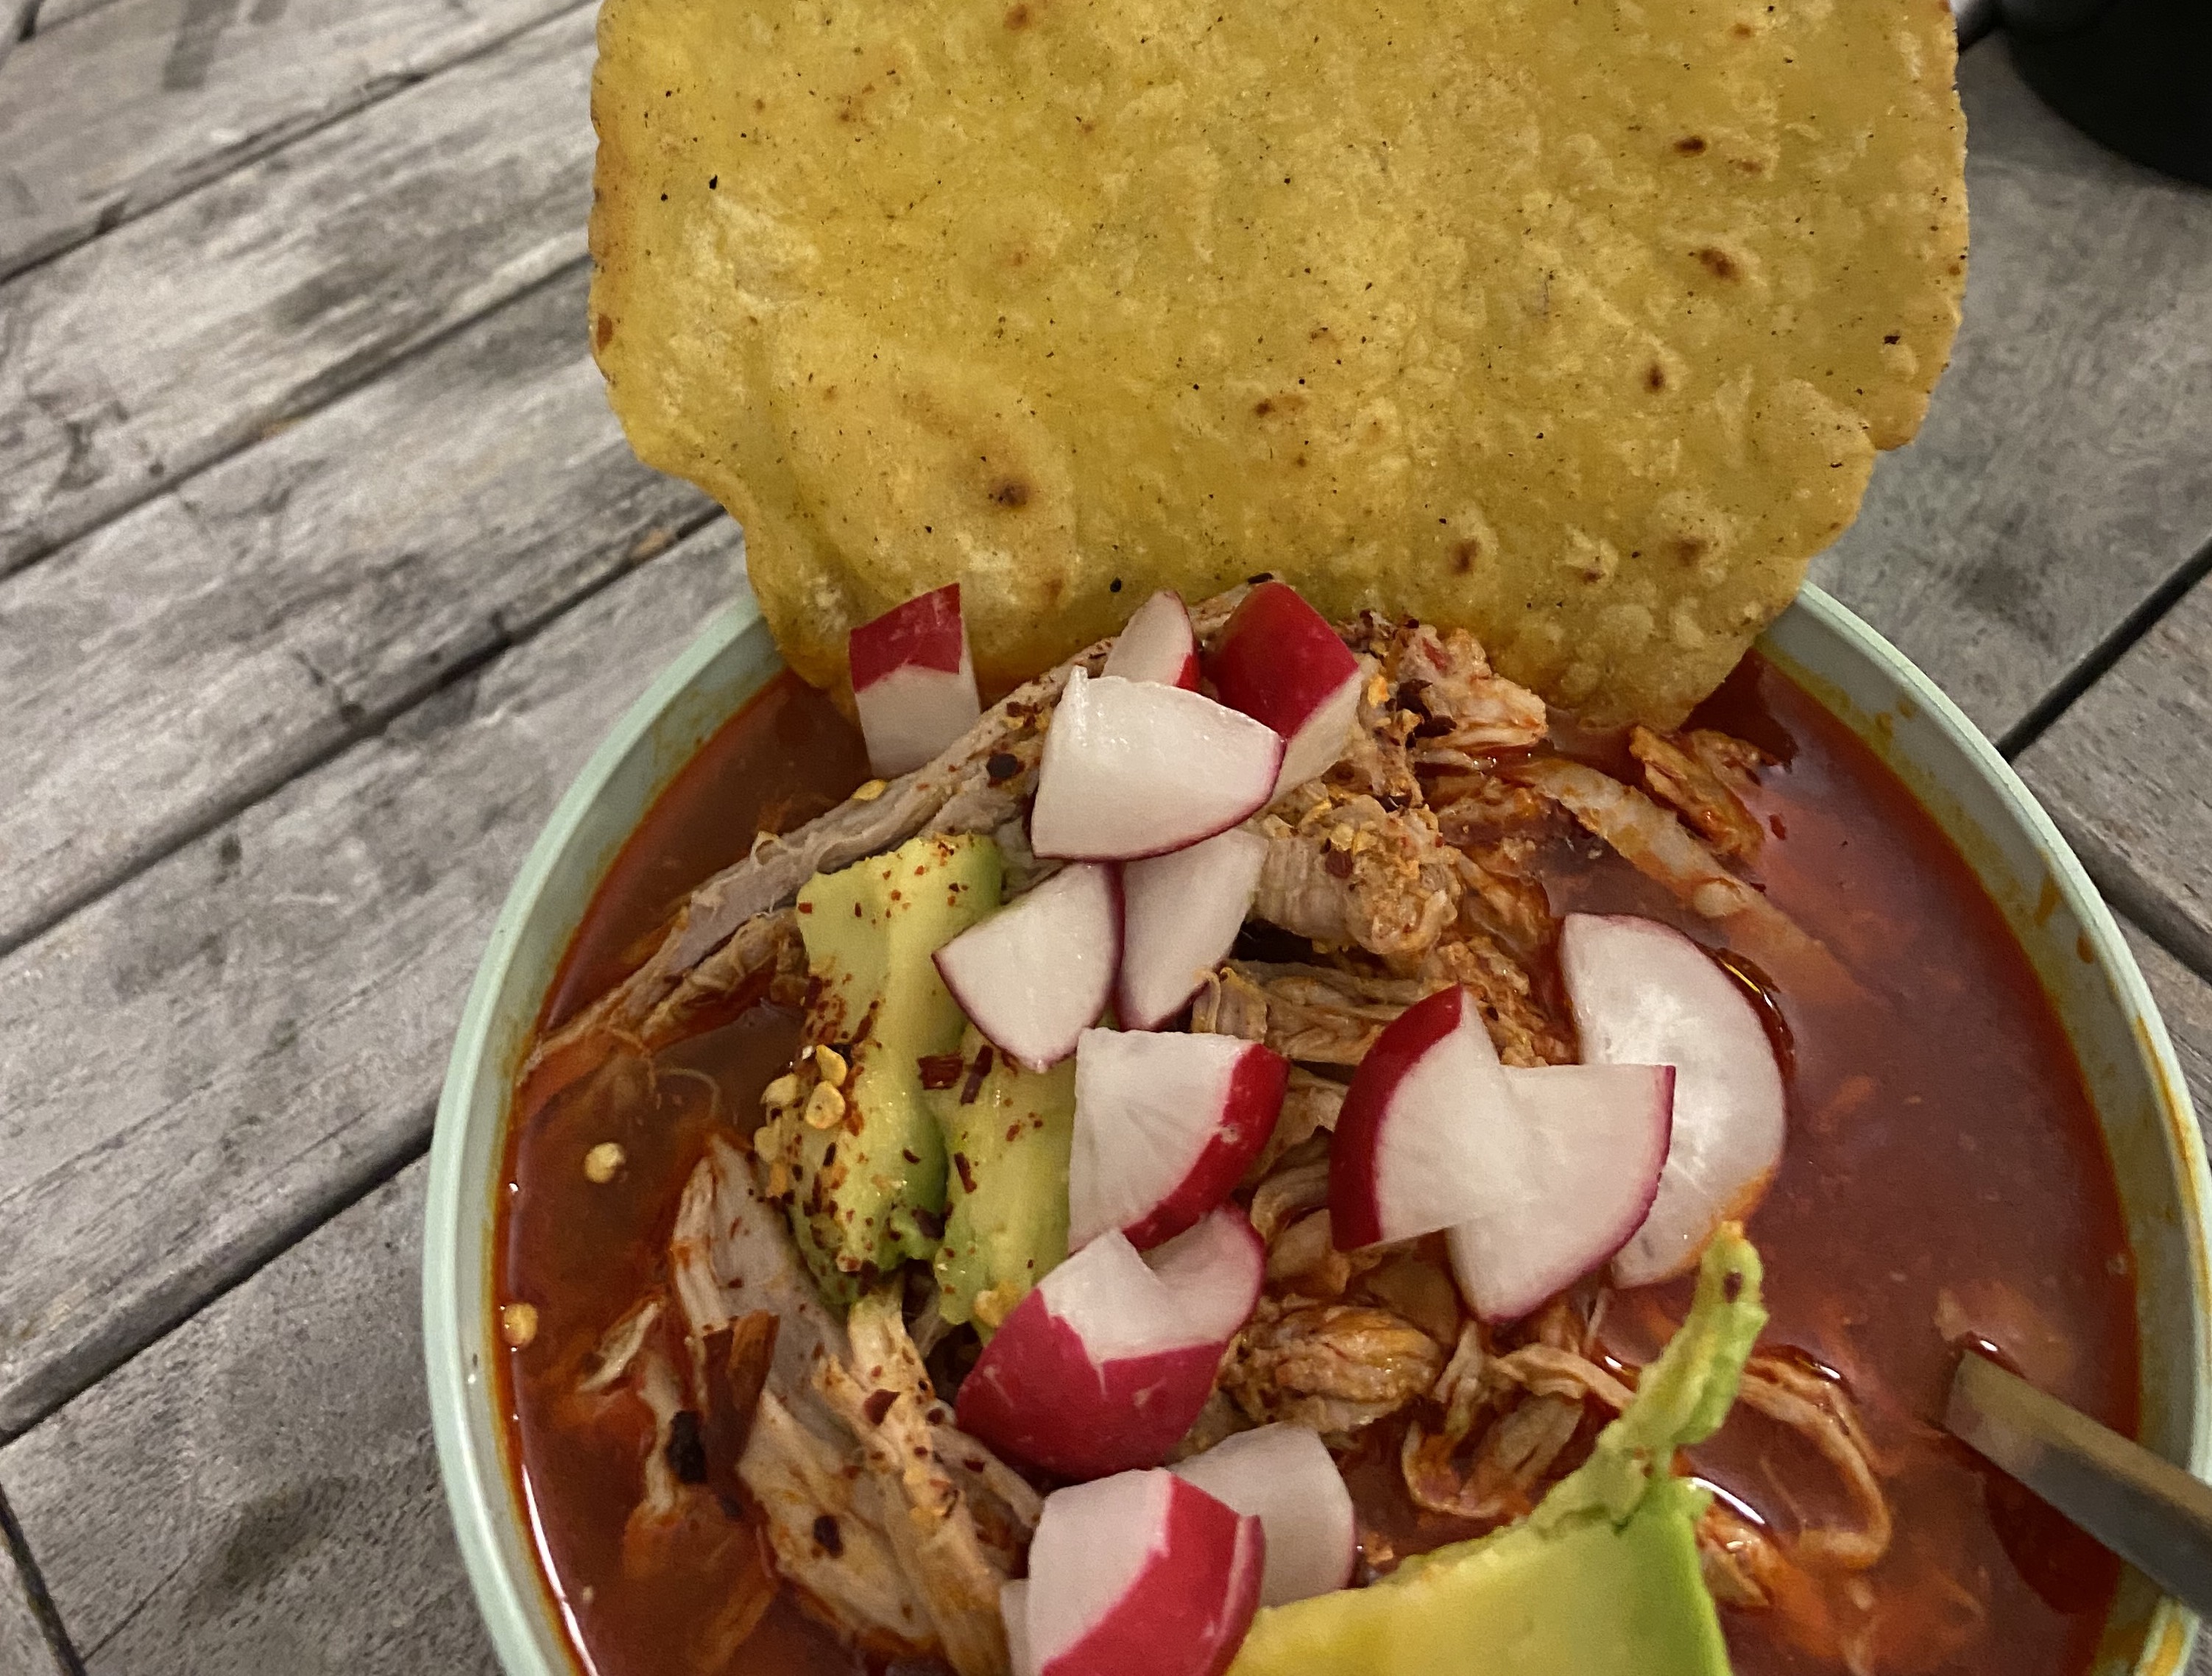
(1577, 323)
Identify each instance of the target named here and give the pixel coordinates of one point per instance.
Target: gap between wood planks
(345, 1195)
(16, 1550)
(282, 286)
(362, 723)
(140, 200)
(2118, 881)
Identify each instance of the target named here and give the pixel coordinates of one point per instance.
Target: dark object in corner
(2133, 75)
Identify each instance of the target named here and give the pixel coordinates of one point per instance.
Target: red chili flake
(940, 1070)
(967, 1171)
(878, 1404)
(976, 1073)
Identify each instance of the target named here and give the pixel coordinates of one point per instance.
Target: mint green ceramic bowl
(2052, 908)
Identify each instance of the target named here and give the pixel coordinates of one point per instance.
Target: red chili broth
(1942, 1136)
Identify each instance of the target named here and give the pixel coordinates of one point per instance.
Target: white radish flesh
(1164, 1126)
(1643, 994)
(1134, 769)
(1180, 914)
(1419, 1128)
(914, 683)
(1105, 1365)
(1563, 1198)
(1033, 975)
(1214, 1271)
(1157, 643)
(1284, 1476)
(1142, 1572)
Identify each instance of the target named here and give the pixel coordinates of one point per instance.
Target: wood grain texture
(2063, 472)
(136, 360)
(259, 1492)
(23, 1648)
(106, 115)
(199, 651)
(2126, 771)
(204, 1063)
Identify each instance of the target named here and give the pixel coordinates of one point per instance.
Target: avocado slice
(1600, 1579)
(870, 1193)
(1007, 1134)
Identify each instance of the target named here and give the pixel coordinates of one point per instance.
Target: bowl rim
(517, 1604)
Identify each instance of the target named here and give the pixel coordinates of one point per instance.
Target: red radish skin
(927, 631)
(1035, 974)
(1180, 914)
(1409, 1102)
(1134, 769)
(1143, 1574)
(1283, 1475)
(1279, 662)
(1157, 643)
(1643, 992)
(913, 682)
(1165, 1125)
(1560, 1204)
(1106, 1363)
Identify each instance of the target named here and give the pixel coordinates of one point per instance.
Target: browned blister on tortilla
(1576, 323)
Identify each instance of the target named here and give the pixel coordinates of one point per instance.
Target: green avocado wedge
(1007, 1135)
(1600, 1579)
(870, 1193)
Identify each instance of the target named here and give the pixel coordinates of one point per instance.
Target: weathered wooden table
(323, 566)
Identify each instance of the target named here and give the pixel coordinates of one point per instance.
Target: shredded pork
(1417, 861)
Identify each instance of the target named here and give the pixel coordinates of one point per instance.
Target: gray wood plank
(52, 13)
(2127, 773)
(107, 114)
(2063, 472)
(23, 1648)
(136, 359)
(196, 651)
(206, 1060)
(259, 1492)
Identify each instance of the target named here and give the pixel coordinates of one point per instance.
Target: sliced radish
(1106, 1362)
(1416, 1132)
(1214, 1268)
(1643, 994)
(1140, 1572)
(1164, 1126)
(1560, 1200)
(1014, 1612)
(1133, 767)
(1157, 643)
(913, 682)
(1180, 916)
(1283, 1476)
(1279, 662)
(1035, 975)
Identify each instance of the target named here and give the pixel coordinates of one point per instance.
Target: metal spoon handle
(2147, 1511)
